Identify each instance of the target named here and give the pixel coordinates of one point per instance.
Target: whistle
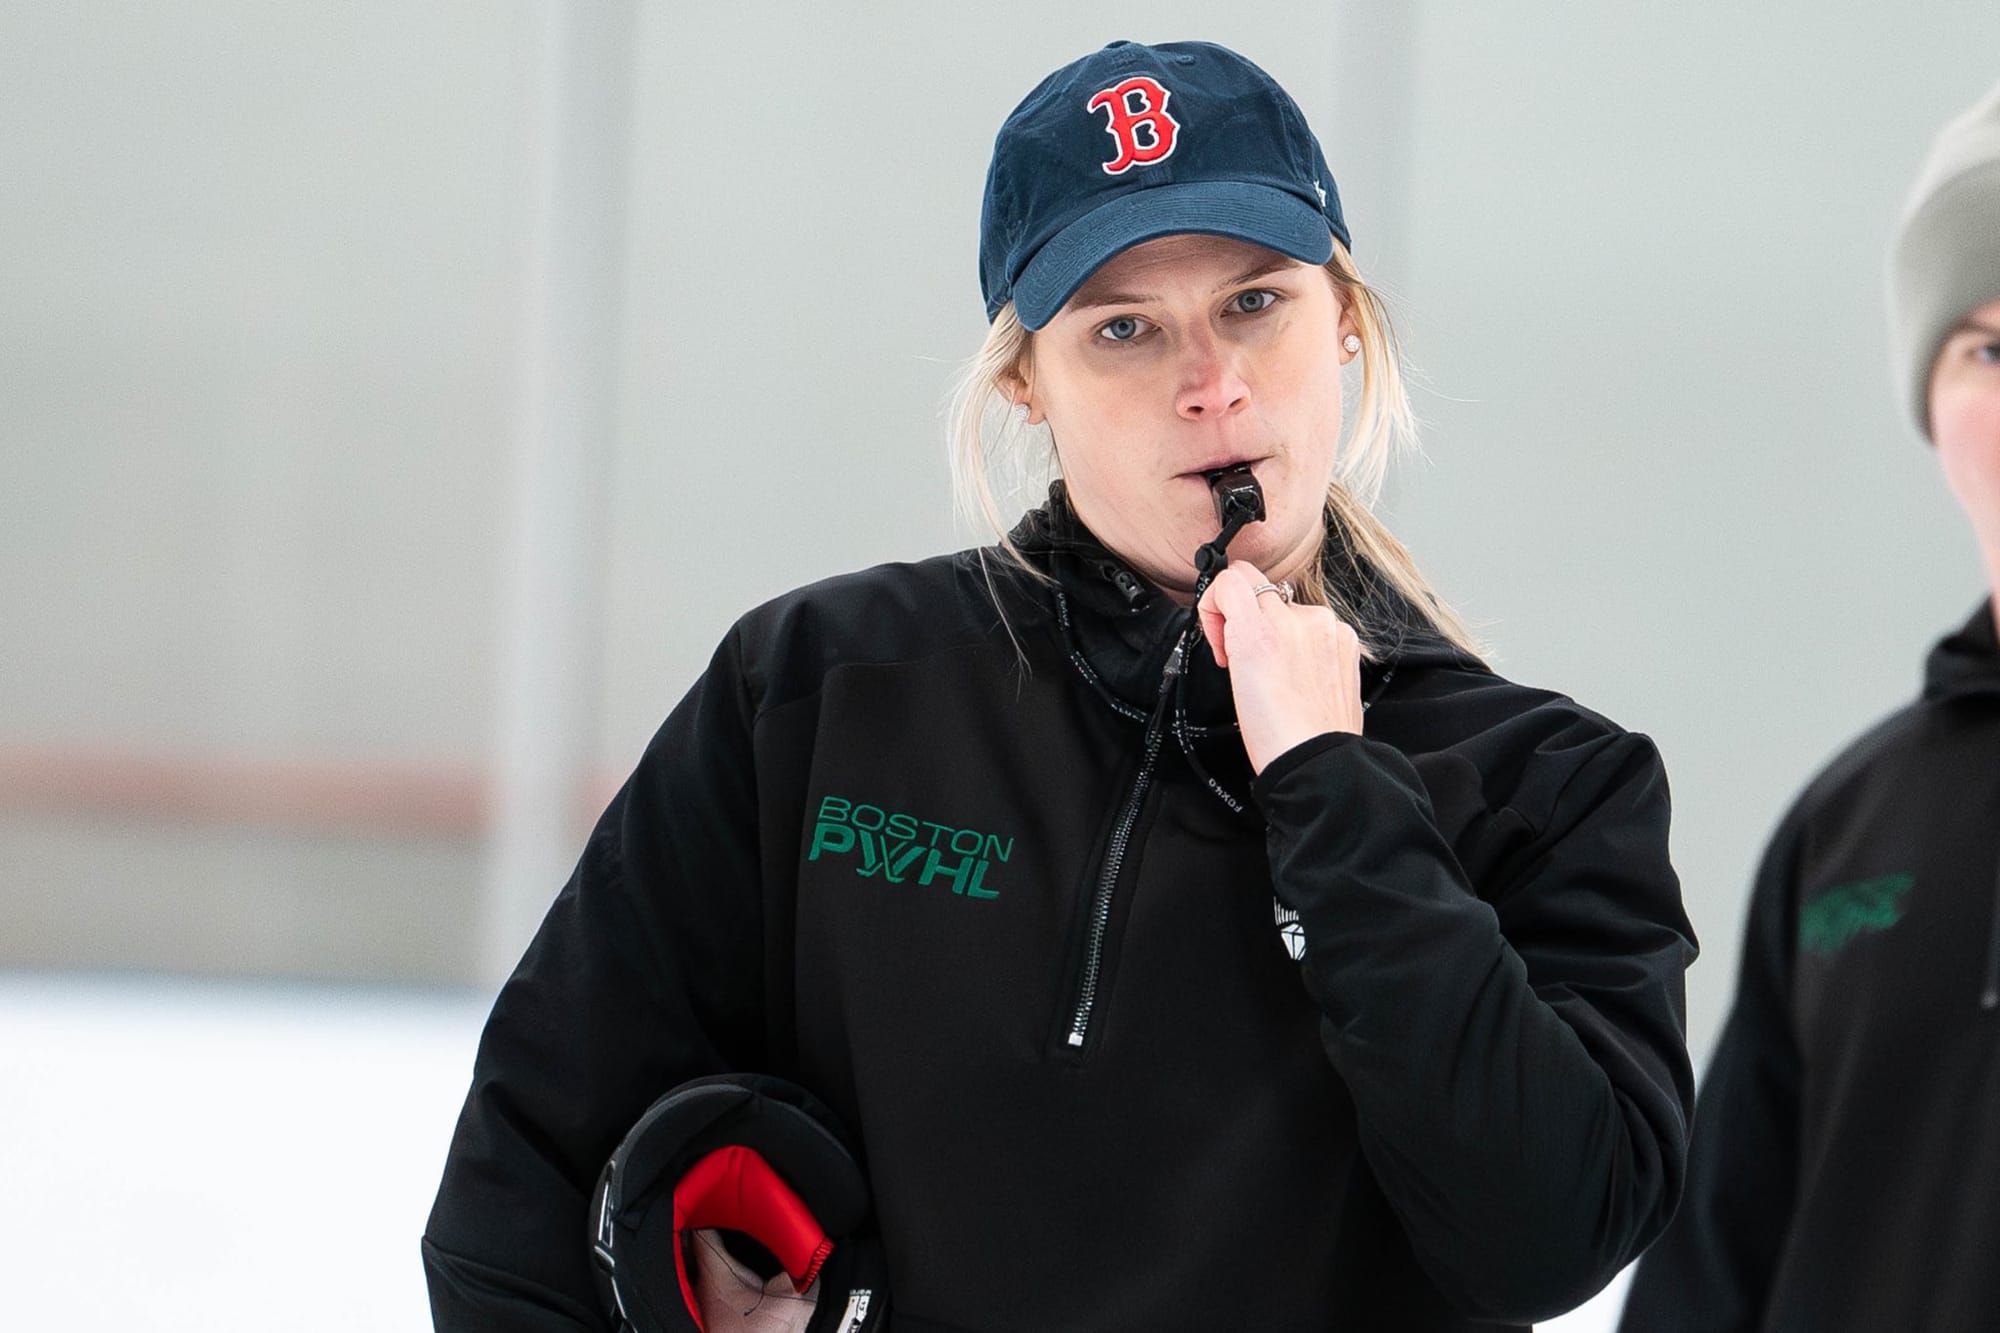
(1238, 497)
(1239, 501)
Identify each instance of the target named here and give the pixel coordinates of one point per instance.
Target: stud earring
(1020, 414)
(1352, 342)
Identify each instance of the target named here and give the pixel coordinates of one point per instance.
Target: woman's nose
(1212, 385)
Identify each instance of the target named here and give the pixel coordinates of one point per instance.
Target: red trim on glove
(735, 1189)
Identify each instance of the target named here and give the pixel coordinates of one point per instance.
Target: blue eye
(1255, 302)
(1122, 329)
(1987, 353)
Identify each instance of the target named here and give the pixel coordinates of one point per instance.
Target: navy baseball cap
(1135, 142)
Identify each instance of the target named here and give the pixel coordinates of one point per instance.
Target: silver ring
(1284, 590)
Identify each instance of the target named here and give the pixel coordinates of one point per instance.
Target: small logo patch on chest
(1833, 920)
(1289, 930)
(900, 848)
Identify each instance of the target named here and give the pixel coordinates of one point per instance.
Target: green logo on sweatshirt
(1832, 920)
(902, 849)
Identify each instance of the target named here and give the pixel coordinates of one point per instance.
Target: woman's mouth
(1207, 472)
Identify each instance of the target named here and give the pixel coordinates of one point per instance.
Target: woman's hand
(1295, 671)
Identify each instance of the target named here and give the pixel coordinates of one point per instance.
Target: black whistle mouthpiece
(1238, 497)
(1239, 501)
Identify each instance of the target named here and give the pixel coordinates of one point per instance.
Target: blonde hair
(992, 442)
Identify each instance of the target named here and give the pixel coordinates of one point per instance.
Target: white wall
(258, 285)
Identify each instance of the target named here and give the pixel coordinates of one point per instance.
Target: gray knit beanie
(1946, 258)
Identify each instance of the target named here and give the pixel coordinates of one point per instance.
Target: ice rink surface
(221, 1156)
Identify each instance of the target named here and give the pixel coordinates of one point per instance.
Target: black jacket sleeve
(646, 972)
(1515, 1050)
(1712, 1269)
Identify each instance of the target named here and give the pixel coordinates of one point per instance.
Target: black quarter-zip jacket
(959, 875)
(1846, 1165)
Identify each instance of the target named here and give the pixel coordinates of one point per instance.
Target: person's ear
(1020, 391)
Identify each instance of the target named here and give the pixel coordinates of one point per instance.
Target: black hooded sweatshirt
(1398, 1045)
(1846, 1168)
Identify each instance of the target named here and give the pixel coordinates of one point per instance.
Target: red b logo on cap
(1138, 101)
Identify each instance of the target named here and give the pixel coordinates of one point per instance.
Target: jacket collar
(1124, 627)
(1966, 662)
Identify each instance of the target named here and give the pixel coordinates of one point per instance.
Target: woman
(1180, 953)
(1847, 1170)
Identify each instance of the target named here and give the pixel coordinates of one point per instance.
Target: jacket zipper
(1114, 855)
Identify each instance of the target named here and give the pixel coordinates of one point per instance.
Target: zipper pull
(1176, 663)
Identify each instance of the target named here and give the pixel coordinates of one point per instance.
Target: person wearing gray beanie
(1946, 256)
(1845, 1168)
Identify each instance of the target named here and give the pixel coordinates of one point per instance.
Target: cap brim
(1260, 214)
